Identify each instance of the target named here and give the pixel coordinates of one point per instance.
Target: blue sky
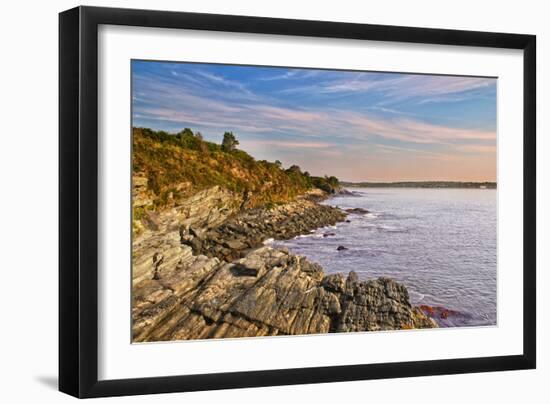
(359, 126)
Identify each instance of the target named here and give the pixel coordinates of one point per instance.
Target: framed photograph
(251, 201)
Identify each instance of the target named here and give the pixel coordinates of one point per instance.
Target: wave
(311, 235)
(391, 228)
(415, 296)
(384, 228)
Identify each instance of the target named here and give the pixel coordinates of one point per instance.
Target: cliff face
(206, 208)
(269, 292)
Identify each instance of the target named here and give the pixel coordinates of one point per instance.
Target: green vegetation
(421, 184)
(330, 185)
(229, 142)
(179, 165)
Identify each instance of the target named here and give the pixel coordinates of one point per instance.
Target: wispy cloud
(390, 110)
(285, 114)
(286, 75)
(323, 116)
(308, 123)
(225, 82)
(289, 144)
(291, 74)
(398, 87)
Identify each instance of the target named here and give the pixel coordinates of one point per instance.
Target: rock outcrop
(238, 235)
(200, 270)
(204, 209)
(268, 292)
(357, 211)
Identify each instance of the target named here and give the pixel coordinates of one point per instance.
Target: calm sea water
(440, 243)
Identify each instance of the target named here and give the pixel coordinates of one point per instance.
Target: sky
(358, 126)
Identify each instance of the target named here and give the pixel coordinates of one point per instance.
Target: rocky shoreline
(196, 279)
(240, 234)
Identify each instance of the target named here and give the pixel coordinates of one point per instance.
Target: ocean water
(440, 243)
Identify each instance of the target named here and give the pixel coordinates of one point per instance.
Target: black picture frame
(78, 201)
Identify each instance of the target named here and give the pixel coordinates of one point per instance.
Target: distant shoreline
(421, 184)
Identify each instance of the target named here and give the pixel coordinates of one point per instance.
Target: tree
(229, 142)
(187, 139)
(199, 136)
(333, 181)
(295, 168)
(278, 163)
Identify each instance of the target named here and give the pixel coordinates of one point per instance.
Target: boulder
(235, 245)
(334, 283)
(357, 211)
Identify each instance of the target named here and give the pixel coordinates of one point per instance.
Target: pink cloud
(414, 131)
(286, 114)
(287, 144)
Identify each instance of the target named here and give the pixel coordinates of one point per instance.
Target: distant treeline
(420, 184)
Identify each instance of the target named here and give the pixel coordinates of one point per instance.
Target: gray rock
(358, 211)
(334, 283)
(235, 245)
(195, 233)
(268, 292)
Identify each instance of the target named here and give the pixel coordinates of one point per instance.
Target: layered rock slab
(268, 292)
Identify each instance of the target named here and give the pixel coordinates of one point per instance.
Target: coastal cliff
(200, 268)
(218, 280)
